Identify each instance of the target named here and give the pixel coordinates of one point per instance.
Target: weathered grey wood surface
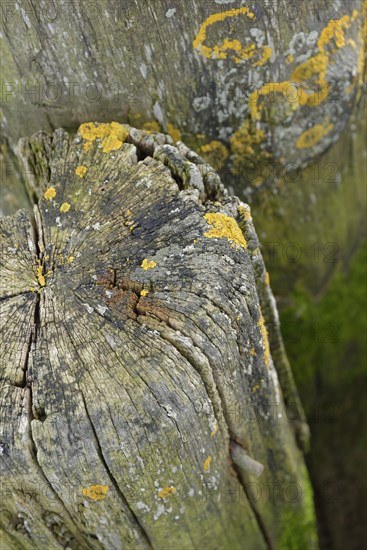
(135, 359)
(272, 81)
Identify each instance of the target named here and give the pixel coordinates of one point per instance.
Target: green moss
(328, 334)
(299, 527)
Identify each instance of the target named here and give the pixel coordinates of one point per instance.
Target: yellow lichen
(173, 132)
(50, 193)
(231, 47)
(111, 143)
(290, 59)
(311, 74)
(148, 264)
(65, 207)
(334, 31)
(207, 463)
(215, 431)
(215, 153)
(144, 292)
(152, 126)
(265, 339)
(92, 130)
(81, 171)
(96, 492)
(245, 147)
(40, 275)
(112, 134)
(313, 135)
(267, 279)
(224, 227)
(245, 212)
(71, 259)
(266, 55)
(167, 492)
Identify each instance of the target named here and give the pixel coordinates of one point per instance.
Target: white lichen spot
(88, 308)
(258, 35)
(143, 70)
(142, 506)
(201, 103)
(101, 309)
(148, 52)
(23, 425)
(111, 341)
(158, 113)
(159, 512)
(96, 226)
(170, 13)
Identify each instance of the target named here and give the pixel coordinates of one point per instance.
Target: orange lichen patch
(87, 145)
(215, 431)
(233, 48)
(198, 43)
(289, 92)
(65, 207)
(144, 292)
(96, 492)
(224, 227)
(112, 134)
(81, 171)
(50, 193)
(40, 275)
(152, 126)
(146, 264)
(266, 55)
(215, 153)
(207, 462)
(265, 339)
(311, 74)
(173, 132)
(245, 147)
(315, 66)
(334, 31)
(245, 213)
(111, 143)
(313, 135)
(91, 131)
(167, 492)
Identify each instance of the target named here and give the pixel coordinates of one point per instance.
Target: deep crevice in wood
(143, 533)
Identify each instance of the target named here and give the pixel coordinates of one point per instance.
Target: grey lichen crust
(135, 356)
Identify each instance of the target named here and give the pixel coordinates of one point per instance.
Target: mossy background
(328, 358)
(321, 295)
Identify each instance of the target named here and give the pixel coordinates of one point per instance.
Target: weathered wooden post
(258, 89)
(140, 403)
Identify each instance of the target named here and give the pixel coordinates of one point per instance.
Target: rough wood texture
(135, 358)
(272, 81)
